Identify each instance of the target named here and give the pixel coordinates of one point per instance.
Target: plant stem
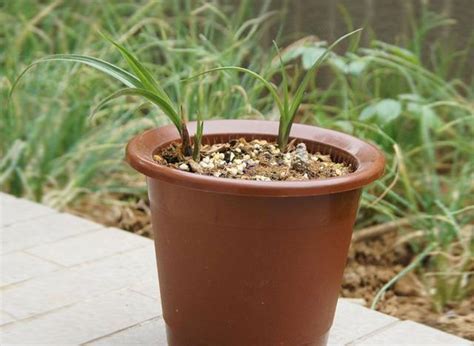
(186, 142)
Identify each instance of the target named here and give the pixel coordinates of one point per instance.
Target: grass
(72, 159)
(138, 83)
(417, 110)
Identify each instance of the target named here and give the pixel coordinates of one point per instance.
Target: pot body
(246, 270)
(247, 262)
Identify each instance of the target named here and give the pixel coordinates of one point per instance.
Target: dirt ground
(371, 264)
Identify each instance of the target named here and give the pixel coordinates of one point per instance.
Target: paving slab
(353, 321)
(88, 247)
(84, 321)
(149, 288)
(150, 332)
(70, 285)
(13, 210)
(406, 333)
(20, 266)
(26, 234)
(6, 318)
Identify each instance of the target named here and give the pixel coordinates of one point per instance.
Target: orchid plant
(139, 81)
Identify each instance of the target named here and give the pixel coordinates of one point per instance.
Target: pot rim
(369, 160)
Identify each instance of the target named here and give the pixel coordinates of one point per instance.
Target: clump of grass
(139, 83)
(287, 107)
(173, 41)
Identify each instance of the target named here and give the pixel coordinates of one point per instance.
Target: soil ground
(371, 263)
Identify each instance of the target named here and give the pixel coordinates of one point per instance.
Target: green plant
(287, 108)
(139, 83)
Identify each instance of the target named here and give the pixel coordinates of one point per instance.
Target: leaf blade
(112, 70)
(255, 75)
(302, 87)
(139, 69)
(155, 99)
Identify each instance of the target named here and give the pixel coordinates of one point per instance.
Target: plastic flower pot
(250, 262)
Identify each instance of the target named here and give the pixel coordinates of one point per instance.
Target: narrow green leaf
(155, 99)
(284, 114)
(255, 75)
(302, 87)
(140, 70)
(198, 137)
(285, 127)
(114, 71)
(284, 79)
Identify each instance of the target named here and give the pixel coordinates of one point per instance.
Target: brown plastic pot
(247, 262)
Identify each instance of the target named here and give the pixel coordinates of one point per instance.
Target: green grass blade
(198, 137)
(284, 115)
(302, 87)
(155, 99)
(140, 70)
(284, 80)
(114, 71)
(402, 273)
(253, 74)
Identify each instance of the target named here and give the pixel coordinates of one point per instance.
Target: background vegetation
(416, 105)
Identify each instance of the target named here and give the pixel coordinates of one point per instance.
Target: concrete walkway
(66, 280)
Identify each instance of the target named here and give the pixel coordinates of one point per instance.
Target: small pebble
(301, 152)
(184, 167)
(275, 151)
